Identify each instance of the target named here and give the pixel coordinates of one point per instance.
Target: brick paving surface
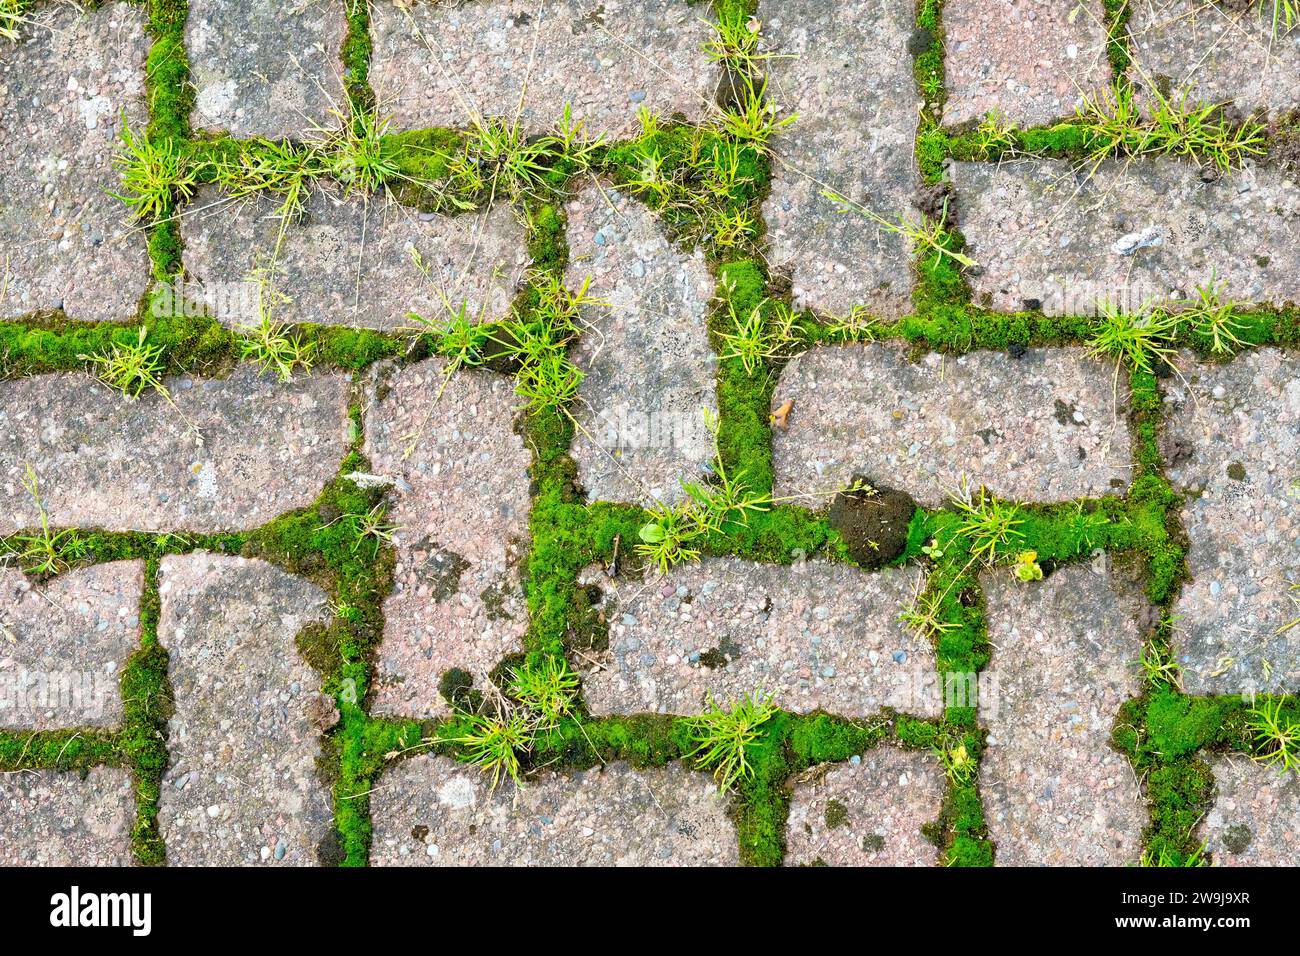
(346, 536)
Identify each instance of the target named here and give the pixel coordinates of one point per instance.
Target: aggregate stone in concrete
(645, 352)
(262, 68)
(1233, 441)
(1064, 648)
(103, 461)
(349, 262)
(1032, 61)
(1046, 426)
(1255, 820)
(1217, 53)
(64, 90)
(460, 473)
(815, 636)
(1046, 235)
(50, 818)
(242, 786)
(63, 645)
(867, 812)
(433, 811)
(847, 73)
(447, 63)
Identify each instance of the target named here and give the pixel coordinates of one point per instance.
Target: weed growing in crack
(859, 325)
(12, 18)
(957, 761)
(1276, 735)
(153, 173)
(922, 233)
(499, 161)
(277, 169)
(989, 526)
(372, 526)
(1136, 341)
(722, 737)
(356, 150)
(727, 497)
(44, 552)
(1026, 567)
(923, 613)
(571, 141)
(1168, 857)
(1212, 315)
(545, 374)
(666, 539)
(994, 136)
(549, 690)
(1159, 666)
(1173, 125)
(701, 181)
(754, 119)
(765, 332)
(270, 343)
(494, 743)
(131, 368)
(1281, 14)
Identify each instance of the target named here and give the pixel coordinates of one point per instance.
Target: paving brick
(1233, 439)
(1255, 820)
(1046, 236)
(107, 462)
(1032, 61)
(1217, 54)
(441, 64)
(63, 645)
(1055, 792)
(262, 68)
(65, 88)
(433, 811)
(815, 636)
(348, 262)
(461, 502)
(242, 786)
(847, 72)
(868, 812)
(1044, 427)
(49, 818)
(646, 356)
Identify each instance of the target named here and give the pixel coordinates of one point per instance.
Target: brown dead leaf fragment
(781, 416)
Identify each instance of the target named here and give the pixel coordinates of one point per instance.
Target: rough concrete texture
(242, 786)
(447, 63)
(846, 72)
(1217, 53)
(645, 352)
(1043, 427)
(1055, 793)
(349, 262)
(65, 88)
(461, 503)
(815, 636)
(49, 818)
(1032, 61)
(432, 811)
(63, 645)
(1233, 440)
(868, 812)
(1255, 820)
(1046, 236)
(104, 461)
(262, 68)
